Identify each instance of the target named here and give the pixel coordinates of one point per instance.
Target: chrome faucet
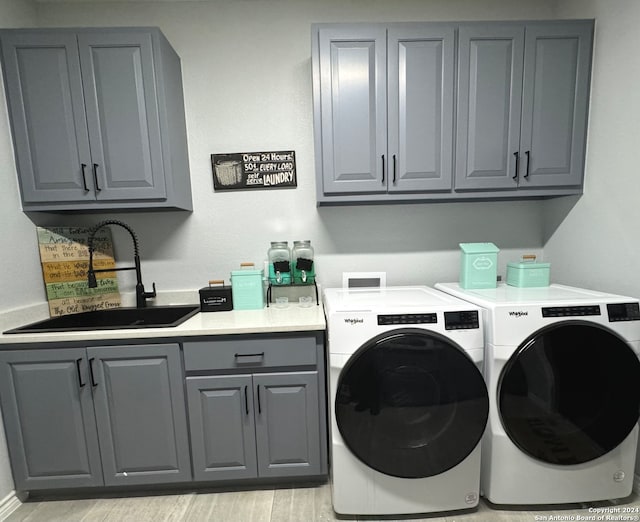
(141, 295)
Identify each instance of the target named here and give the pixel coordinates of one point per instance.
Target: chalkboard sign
(254, 170)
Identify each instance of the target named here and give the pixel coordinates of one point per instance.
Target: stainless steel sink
(152, 317)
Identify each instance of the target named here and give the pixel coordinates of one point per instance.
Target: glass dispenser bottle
(303, 269)
(279, 263)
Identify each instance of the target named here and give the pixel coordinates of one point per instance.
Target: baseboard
(636, 484)
(8, 505)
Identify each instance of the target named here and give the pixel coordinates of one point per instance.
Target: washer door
(411, 404)
(570, 393)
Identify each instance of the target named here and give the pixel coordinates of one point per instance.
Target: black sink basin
(152, 317)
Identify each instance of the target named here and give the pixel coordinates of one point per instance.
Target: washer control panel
(407, 319)
(464, 320)
(623, 312)
(570, 311)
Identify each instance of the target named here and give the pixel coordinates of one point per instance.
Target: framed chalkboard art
(254, 170)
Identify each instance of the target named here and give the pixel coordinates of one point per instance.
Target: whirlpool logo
(353, 322)
(518, 314)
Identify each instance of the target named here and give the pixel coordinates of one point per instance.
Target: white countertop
(294, 318)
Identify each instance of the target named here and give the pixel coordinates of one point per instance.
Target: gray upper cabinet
(353, 90)
(489, 99)
(112, 415)
(555, 102)
(383, 99)
(97, 117)
(523, 92)
(391, 125)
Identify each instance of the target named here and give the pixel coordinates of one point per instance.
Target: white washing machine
(408, 403)
(562, 369)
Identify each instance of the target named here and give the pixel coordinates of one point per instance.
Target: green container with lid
(528, 274)
(247, 287)
(478, 265)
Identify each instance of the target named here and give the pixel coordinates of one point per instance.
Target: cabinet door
(49, 419)
(287, 423)
(222, 427)
(119, 81)
(140, 413)
(421, 66)
(490, 63)
(45, 100)
(353, 106)
(557, 64)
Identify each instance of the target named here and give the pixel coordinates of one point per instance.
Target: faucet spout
(141, 294)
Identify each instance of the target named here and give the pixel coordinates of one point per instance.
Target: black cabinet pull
(394, 169)
(517, 155)
(95, 177)
(93, 379)
(261, 354)
(84, 177)
(259, 405)
(246, 401)
(528, 160)
(80, 383)
(383, 169)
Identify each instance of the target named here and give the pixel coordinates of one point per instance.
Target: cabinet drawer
(226, 354)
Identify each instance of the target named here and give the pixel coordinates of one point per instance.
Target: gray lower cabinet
(112, 415)
(383, 102)
(97, 117)
(248, 420)
(523, 94)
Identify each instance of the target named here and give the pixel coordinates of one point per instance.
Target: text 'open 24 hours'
(254, 170)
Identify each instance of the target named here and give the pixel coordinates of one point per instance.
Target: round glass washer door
(410, 403)
(570, 393)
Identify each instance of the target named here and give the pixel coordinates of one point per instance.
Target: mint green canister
(528, 274)
(247, 290)
(478, 265)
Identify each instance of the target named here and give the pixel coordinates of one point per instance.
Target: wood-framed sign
(254, 170)
(64, 256)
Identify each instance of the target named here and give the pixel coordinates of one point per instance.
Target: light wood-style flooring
(299, 504)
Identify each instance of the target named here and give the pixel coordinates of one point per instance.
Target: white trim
(8, 505)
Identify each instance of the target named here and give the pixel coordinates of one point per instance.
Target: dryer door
(570, 393)
(410, 403)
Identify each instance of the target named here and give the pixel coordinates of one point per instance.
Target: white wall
(20, 277)
(20, 261)
(247, 81)
(593, 241)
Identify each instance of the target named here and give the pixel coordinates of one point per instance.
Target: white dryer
(562, 369)
(408, 403)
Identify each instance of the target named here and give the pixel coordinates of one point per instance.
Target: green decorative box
(247, 288)
(478, 265)
(528, 275)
